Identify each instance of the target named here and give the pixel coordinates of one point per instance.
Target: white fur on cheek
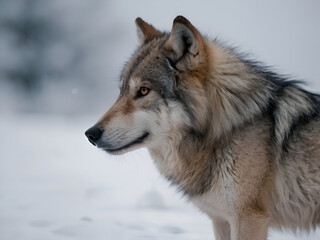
(167, 122)
(121, 131)
(126, 129)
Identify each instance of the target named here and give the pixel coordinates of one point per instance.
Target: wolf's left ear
(185, 46)
(145, 31)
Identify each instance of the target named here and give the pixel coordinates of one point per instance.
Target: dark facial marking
(150, 64)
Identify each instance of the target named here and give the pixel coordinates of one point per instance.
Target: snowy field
(54, 185)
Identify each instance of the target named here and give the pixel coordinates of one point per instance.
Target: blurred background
(60, 63)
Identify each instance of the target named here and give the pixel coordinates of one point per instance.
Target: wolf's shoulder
(292, 108)
(290, 105)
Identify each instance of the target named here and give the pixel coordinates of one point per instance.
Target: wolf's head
(162, 94)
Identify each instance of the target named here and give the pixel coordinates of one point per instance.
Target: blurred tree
(27, 32)
(58, 52)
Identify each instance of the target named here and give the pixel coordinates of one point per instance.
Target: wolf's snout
(93, 134)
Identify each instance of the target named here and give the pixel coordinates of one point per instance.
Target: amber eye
(144, 91)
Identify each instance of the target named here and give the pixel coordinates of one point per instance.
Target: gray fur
(241, 142)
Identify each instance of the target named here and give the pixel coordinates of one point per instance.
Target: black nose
(93, 134)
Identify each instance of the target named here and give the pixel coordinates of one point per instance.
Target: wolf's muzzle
(93, 134)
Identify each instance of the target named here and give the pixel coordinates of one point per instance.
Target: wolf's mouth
(137, 141)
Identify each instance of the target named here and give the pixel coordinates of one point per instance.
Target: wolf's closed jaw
(135, 142)
(95, 136)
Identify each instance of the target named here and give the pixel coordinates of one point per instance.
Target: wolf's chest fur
(220, 179)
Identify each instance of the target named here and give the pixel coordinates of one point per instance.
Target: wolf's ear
(145, 31)
(185, 45)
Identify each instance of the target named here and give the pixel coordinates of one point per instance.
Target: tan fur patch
(124, 106)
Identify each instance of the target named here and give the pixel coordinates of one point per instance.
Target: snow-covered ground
(55, 185)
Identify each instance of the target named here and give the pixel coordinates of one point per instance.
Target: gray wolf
(239, 141)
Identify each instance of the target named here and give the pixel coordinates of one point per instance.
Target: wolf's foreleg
(221, 229)
(253, 226)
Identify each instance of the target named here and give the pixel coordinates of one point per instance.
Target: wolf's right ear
(145, 31)
(185, 47)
